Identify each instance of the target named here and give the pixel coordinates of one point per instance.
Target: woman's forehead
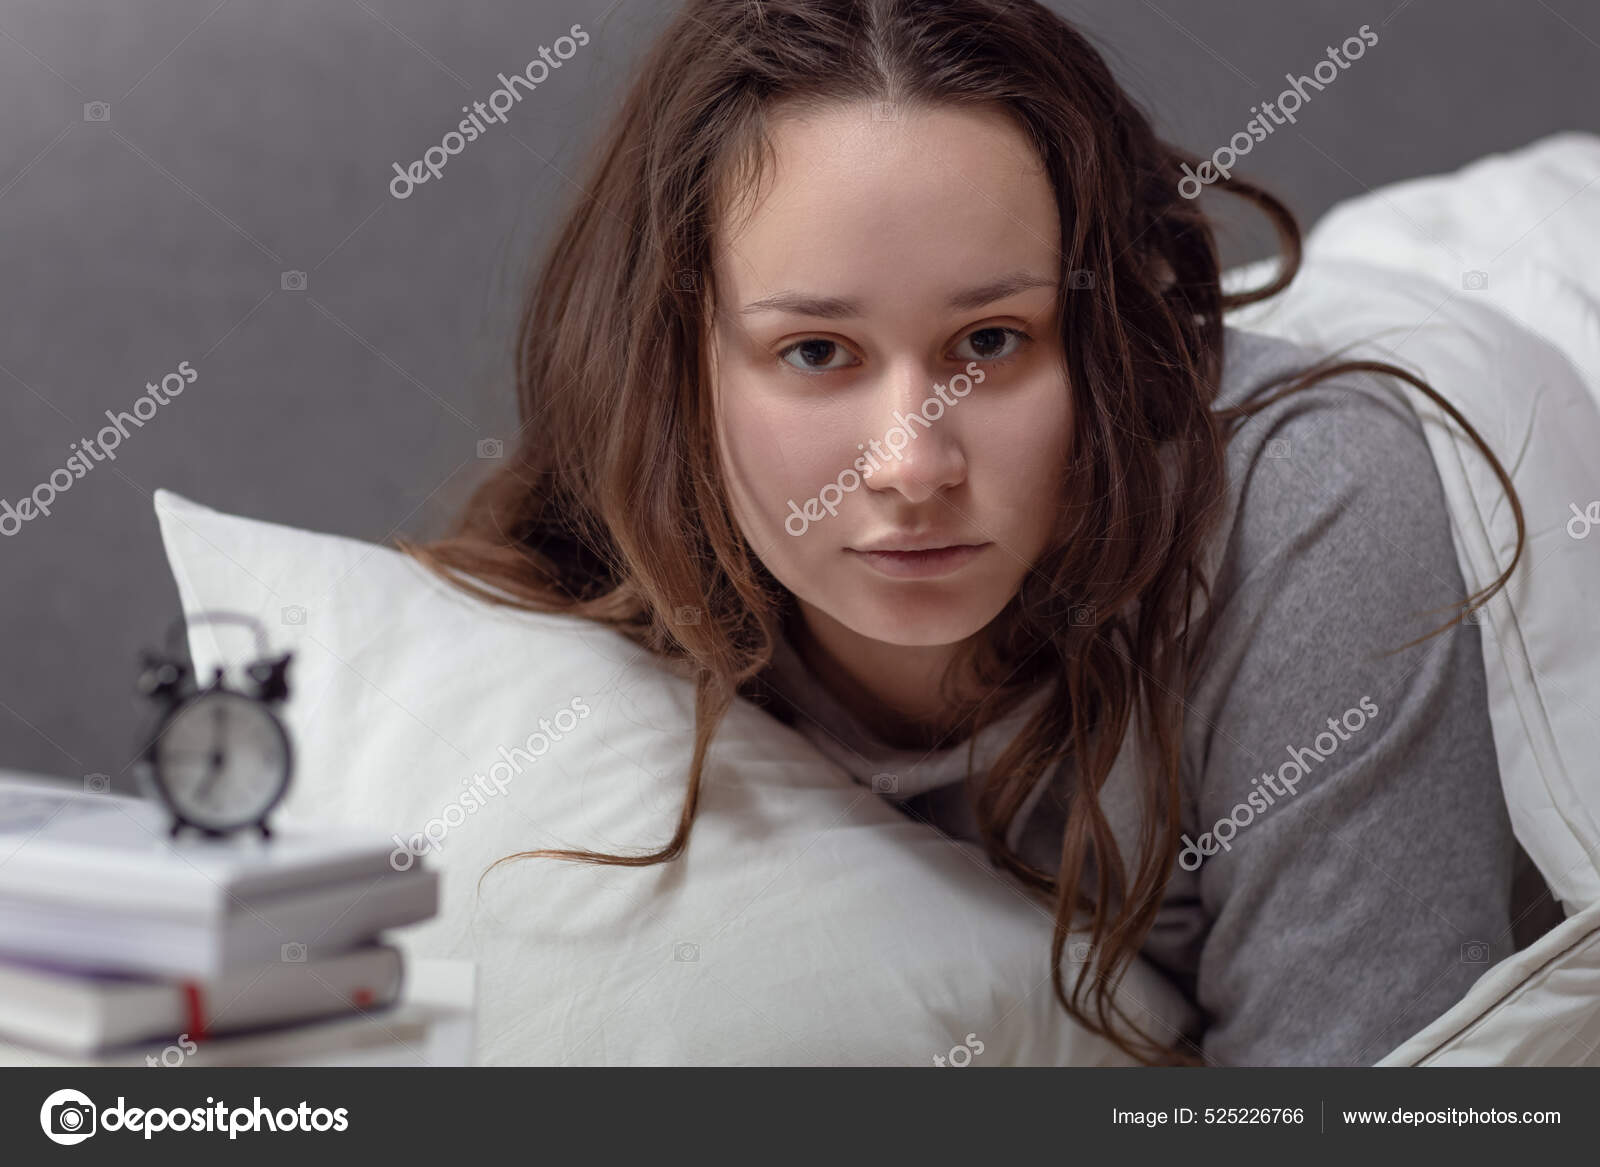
(938, 197)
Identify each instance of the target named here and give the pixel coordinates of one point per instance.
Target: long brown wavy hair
(610, 504)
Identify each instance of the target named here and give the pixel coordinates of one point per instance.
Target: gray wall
(254, 137)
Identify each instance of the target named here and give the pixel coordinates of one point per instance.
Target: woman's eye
(814, 354)
(990, 344)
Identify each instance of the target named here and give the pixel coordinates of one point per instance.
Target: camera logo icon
(293, 614)
(886, 783)
(1080, 279)
(1474, 952)
(685, 953)
(293, 281)
(1474, 281)
(1278, 448)
(491, 448)
(96, 783)
(97, 111)
(293, 952)
(68, 1117)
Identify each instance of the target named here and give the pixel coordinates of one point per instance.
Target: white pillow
(1513, 231)
(808, 922)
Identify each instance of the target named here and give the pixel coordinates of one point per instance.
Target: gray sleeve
(1351, 905)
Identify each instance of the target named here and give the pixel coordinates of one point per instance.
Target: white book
(398, 1035)
(125, 898)
(71, 1011)
(303, 926)
(61, 845)
(433, 1024)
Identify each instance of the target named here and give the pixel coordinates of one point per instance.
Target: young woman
(880, 376)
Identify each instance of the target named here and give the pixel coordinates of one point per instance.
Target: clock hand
(210, 779)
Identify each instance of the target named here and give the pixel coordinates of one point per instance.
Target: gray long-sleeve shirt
(1342, 908)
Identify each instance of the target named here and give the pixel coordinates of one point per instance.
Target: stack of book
(119, 943)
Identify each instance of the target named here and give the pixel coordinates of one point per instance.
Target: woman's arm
(1365, 882)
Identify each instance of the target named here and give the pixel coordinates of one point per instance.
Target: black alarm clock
(218, 758)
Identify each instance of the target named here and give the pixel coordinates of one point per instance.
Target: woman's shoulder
(1336, 479)
(1348, 402)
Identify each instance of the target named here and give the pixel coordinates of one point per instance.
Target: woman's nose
(919, 451)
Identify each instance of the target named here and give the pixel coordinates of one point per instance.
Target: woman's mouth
(920, 564)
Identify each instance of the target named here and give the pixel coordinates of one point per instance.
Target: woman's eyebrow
(842, 308)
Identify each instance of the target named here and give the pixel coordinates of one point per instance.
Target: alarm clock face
(223, 760)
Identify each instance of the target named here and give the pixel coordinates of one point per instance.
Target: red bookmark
(195, 1003)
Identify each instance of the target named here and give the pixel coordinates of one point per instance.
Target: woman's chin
(911, 623)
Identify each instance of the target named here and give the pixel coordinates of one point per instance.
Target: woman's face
(893, 266)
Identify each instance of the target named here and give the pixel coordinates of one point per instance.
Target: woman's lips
(920, 564)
